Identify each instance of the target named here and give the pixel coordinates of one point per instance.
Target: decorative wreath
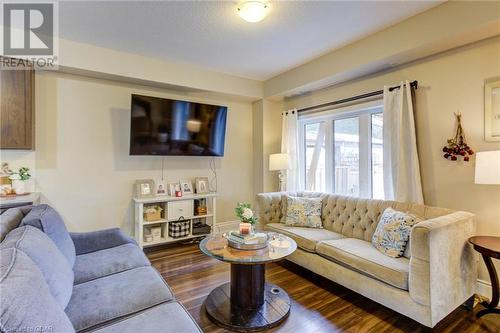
(458, 147)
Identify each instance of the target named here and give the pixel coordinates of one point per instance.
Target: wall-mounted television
(160, 126)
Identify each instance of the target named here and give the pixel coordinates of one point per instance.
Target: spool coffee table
(248, 303)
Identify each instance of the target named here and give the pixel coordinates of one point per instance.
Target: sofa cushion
(50, 222)
(303, 212)
(114, 296)
(361, 256)
(51, 262)
(86, 242)
(101, 263)
(167, 318)
(9, 220)
(393, 232)
(27, 305)
(306, 238)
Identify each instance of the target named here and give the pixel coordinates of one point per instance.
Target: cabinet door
(17, 119)
(178, 209)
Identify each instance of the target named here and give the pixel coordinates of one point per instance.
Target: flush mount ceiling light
(253, 11)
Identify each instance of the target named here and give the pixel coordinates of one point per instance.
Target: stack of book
(256, 238)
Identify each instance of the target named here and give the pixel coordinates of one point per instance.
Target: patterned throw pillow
(393, 232)
(303, 212)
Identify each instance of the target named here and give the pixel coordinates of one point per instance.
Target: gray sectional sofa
(55, 281)
(436, 274)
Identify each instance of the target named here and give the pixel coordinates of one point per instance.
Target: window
(315, 168)
(346, 156)
(377, 172)
(341, 151)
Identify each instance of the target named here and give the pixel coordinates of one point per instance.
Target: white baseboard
(483, 288)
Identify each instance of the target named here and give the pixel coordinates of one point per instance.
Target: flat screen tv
(162, 126)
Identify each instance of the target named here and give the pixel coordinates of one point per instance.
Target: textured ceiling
(210, 34)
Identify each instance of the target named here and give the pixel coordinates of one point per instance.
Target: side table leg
(491, 306)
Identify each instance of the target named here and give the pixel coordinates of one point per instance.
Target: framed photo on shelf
(201, 185)
(186, 187)
(160, 188)
(144, 188)
(172, 188)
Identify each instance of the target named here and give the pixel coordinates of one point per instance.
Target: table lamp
(279, 162)
(488, 172)
(488, 167)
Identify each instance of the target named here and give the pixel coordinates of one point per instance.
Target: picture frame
(492, 109)
(202, 185)
(186, 187)
(160, 188)
(144, 188)
(173, 187)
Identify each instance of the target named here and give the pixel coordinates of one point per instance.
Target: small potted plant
(248, 220)
(19, 179)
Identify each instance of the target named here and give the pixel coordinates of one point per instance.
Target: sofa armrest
(87, 242)
(442, 265)
(269, 207)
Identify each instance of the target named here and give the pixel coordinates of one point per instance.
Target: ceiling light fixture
(253, 11)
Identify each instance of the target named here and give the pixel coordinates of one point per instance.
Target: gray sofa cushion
(306, 238)
(27, 305)
(50, 222)
(111, 297)
(86, 242)
(9, 220)
(101, 263)
(42, 251)
(167, 318)
(362, 257)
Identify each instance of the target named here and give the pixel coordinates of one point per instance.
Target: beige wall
(267, 140)
(104, 63)
(448, 83)
(82, 163)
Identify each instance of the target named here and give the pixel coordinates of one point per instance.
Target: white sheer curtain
(401, 166)
(290, 145)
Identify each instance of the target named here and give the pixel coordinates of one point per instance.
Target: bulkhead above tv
(160, 126)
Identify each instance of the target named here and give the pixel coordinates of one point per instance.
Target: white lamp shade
(278, 161)
(488, 167)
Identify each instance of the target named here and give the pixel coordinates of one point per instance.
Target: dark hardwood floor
(318, 305)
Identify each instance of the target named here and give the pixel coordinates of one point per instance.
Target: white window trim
(329, 116)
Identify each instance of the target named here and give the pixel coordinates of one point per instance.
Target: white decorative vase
(19, 186)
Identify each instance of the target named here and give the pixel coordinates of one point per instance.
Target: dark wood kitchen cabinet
(17, 112)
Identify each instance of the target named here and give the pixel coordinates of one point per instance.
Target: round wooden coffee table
(489, 247)
(247, 303)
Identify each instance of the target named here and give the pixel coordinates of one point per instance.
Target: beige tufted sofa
(436, 275)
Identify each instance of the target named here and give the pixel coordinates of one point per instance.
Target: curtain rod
(413, 84)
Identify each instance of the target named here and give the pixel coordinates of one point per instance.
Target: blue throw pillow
(50, 222)
(43, 252)
(393, 232)
(27, 305)
(303, 212)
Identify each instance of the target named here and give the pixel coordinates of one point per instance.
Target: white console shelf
(173, 208)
